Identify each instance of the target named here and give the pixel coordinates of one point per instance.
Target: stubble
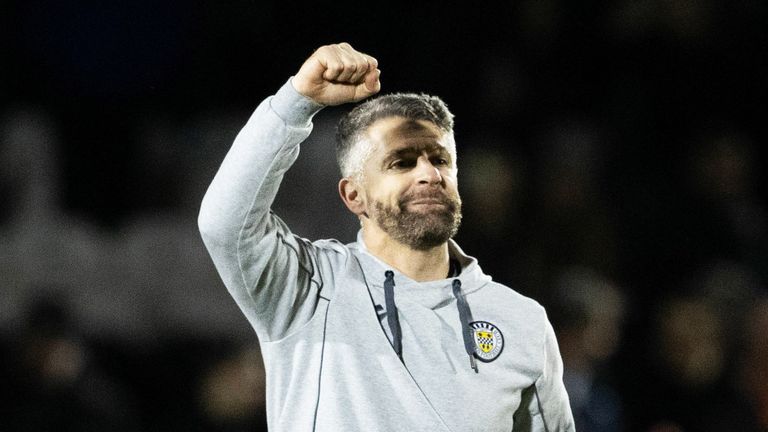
(420, 230)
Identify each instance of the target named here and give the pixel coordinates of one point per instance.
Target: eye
(402, 164)
(440, 161)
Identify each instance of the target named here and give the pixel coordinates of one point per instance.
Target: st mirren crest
(488, 340)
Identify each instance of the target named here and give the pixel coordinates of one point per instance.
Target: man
(399, 331)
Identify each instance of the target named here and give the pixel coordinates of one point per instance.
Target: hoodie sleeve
(545, 406)
(269, 272)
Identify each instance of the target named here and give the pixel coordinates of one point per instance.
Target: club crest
(488, 340)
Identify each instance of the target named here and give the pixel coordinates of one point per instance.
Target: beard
(420, 230)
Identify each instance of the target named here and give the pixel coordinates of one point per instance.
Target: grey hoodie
(329, 356)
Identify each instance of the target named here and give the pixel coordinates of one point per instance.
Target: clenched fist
(337, 74)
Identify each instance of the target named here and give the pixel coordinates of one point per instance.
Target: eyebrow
(430, 148)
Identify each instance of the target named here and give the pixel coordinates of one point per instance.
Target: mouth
(428, 201)
(428, 205)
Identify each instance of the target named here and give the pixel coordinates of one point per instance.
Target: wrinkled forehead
(398, 134)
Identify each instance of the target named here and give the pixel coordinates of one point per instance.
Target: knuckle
(323, 52)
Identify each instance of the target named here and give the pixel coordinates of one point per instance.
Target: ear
(352, 196)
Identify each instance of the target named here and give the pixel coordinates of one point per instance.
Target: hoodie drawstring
(393, 319)
(464, 316)
(392, 316)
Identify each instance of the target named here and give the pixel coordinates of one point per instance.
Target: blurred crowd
(611, 163)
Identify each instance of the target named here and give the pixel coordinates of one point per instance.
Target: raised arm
(267, 270)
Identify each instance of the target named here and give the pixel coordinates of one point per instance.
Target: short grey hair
(411, 106)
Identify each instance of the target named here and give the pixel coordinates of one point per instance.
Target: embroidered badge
(488, 341)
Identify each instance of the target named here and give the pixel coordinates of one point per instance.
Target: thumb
(371, 85)
(373, 82)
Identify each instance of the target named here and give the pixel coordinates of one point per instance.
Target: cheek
(451, 183)
(387, 190)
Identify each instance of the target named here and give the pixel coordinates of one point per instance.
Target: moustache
(437, 196)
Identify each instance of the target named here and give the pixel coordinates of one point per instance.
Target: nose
(427, 173)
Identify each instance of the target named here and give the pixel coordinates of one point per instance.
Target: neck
(419, 265)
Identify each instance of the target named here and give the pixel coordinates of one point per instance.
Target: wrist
(293, 107)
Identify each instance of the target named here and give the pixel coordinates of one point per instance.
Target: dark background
(611, 160)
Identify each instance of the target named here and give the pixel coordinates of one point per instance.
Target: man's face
(409, 182)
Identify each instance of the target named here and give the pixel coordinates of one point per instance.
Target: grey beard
(420, 231)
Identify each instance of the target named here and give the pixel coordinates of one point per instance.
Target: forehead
(397, 134)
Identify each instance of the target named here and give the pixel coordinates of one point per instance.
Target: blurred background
(611, 159)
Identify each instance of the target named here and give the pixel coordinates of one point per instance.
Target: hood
(432, 294)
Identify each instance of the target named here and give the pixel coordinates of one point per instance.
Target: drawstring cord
(465, 315)
(393, 319)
